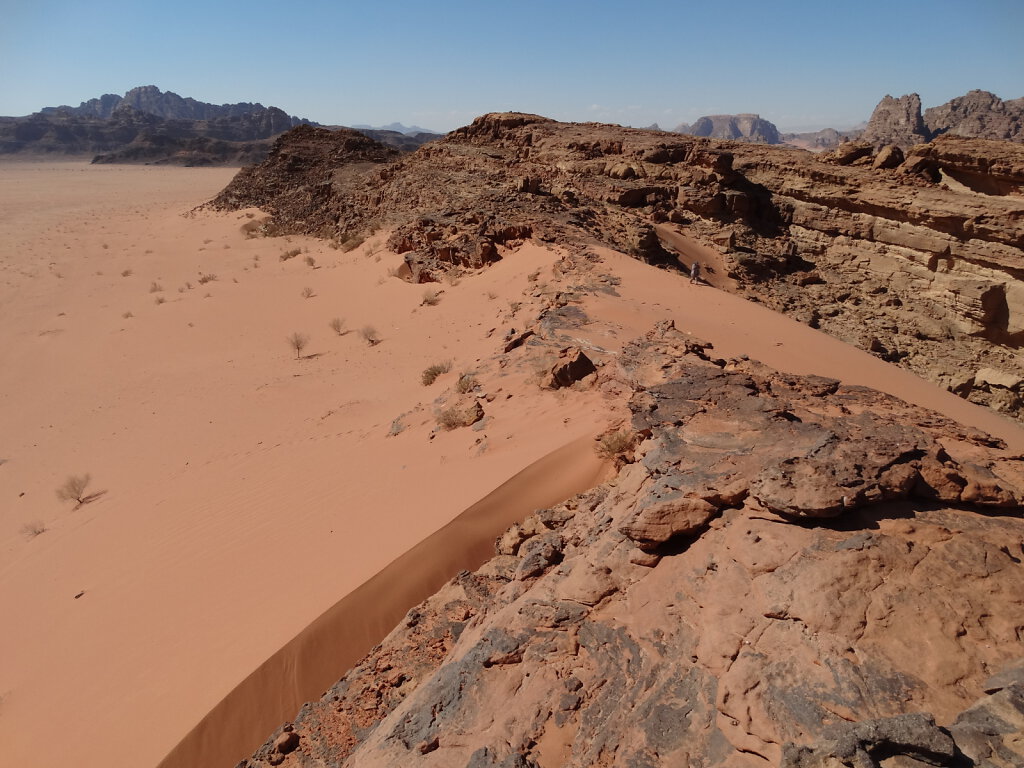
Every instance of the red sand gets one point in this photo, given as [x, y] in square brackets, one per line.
[249, 495]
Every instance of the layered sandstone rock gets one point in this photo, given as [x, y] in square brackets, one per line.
[763, 614]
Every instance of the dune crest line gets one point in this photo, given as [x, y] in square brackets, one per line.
[315, 658]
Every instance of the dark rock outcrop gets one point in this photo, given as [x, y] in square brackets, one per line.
[752, 638]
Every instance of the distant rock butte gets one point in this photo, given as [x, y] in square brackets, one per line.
[744, 127]
[916, 260]
[789, 572]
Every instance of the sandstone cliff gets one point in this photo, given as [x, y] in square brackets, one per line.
[785, 571]
[918, 260]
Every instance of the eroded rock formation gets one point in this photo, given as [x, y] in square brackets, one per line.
[977, 114]
[791, 572]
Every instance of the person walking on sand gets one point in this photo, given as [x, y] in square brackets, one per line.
[695, 272]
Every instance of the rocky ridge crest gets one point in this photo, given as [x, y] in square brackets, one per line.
[918, 259]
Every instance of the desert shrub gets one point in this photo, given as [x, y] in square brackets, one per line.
[307, 293]
[431, 298]
[513, 306]
[337, 325]
[290, 254]
[449, 418]
[397, 427]
[155, 287]
[298, 342]
[127, 315]
[429, 376]
[206, 278]
[126, 273]
[160, 299]
[614, 444]
[73, 488]
[33, 529]
[467, 383]
[370, 335]
[492, 295]
[310, 261]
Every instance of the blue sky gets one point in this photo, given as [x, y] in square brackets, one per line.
[802, 65]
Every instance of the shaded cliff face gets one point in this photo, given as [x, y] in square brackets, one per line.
[785, 571]
[918, 260]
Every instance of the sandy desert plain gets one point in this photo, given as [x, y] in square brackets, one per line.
[242, 492]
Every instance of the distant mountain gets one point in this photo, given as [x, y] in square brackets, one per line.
[743, 127]
[410, 130]
[818, 141]
[150, 100]
[149, 125]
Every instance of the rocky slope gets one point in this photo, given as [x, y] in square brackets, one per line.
[977, 114]
[918, 259]
[785, 571]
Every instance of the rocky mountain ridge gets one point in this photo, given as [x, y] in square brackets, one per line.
[150, 100]
[785, 571]
[917, 259]
[148, 125]
[977, 114]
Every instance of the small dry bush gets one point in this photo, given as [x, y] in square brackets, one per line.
[298, 342]
[155, 287]
[33, 529]
[337, 325]
[126, 315]
[615, 444]
[307, 293]
[467, 383]
[431, 298]
[126, 273]
[290, 254]
[450, 418]
[429, 376]
[160, 299]
[310, 261]
[74, 488]
[370, 335]
[207, 278]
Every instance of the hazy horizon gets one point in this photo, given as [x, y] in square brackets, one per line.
[800, 65]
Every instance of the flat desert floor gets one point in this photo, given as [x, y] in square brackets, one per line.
[240, 494]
